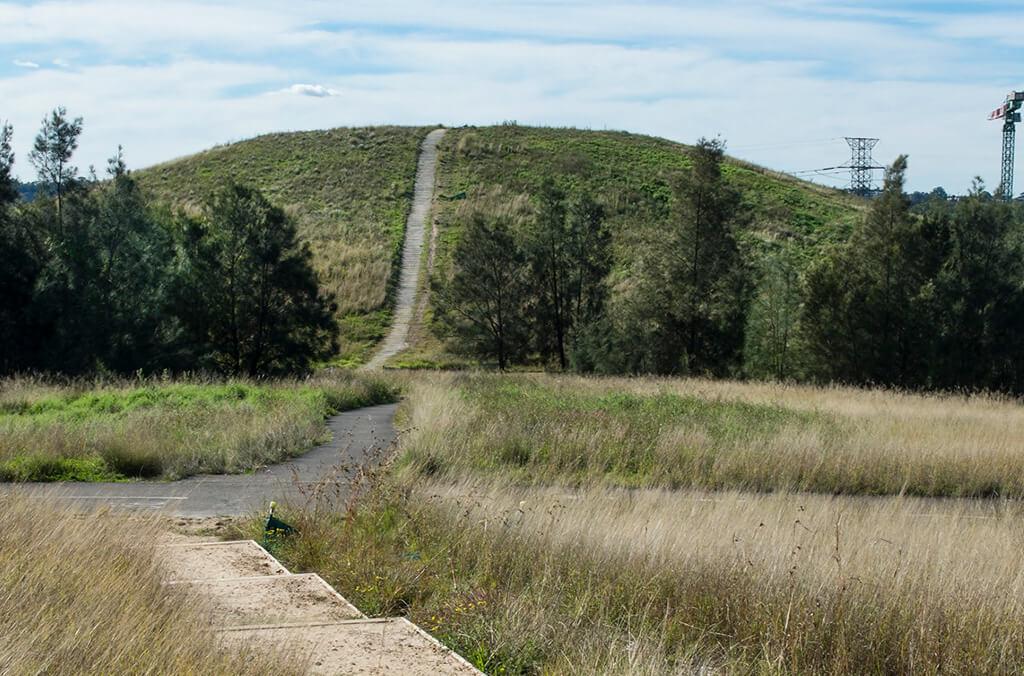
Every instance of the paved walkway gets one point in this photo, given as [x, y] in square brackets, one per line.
[412, 254]
[257, 604]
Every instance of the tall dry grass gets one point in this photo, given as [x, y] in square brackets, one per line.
[549, 580]
[83, 595]
[721, 435]
[780, 583]
[506, 535]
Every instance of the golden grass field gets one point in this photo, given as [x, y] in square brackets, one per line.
[780, 583]
[721, 435]
[559, 524]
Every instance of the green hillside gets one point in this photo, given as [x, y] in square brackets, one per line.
[349, 191]
[502, 167]
[625, 169]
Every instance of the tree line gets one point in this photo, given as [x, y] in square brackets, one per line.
[919, 298]
[95, 278]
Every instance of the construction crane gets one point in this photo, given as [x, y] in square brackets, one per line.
[1008, 112]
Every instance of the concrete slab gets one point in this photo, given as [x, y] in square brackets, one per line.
[277, 599]
[218, 561]
[385, 646]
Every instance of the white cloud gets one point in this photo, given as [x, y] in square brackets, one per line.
[25, 64]
[767, 76]
[315, 90]
[61, 63]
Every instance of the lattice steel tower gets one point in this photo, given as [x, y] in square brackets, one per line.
[1008, 112]
[862, 165]
[1009, 148]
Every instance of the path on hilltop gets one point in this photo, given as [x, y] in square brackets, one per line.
[355, 435]
[412, 253]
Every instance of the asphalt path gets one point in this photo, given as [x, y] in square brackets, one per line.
[357, 438]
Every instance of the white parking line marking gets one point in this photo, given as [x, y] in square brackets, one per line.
[109, 497]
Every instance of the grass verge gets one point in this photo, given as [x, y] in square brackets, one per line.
[89, 431]
[82, 595]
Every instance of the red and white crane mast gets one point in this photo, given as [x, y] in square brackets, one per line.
[1009, 113]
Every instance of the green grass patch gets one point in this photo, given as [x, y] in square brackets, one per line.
[41, 468]
[360, 335]
[169, 430]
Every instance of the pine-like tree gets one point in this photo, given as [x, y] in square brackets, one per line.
[866, 313]
[590, 262]
[51, 155]
[249, 296]
[548, 250]
[483, 304]
[979, 299]
[568, 247]
[772, 334]
[18, 271]
[133, 253]
[692, 286]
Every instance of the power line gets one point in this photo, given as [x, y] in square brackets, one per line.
[861, 166]
[815, 171]
[793, 144]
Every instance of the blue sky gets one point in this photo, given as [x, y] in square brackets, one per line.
[782, 82]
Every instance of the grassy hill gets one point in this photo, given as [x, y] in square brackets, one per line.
[502, 167]
[349, 191]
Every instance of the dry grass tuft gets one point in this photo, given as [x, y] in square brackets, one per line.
[783, 583]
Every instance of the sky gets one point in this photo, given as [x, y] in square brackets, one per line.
[781, 82]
